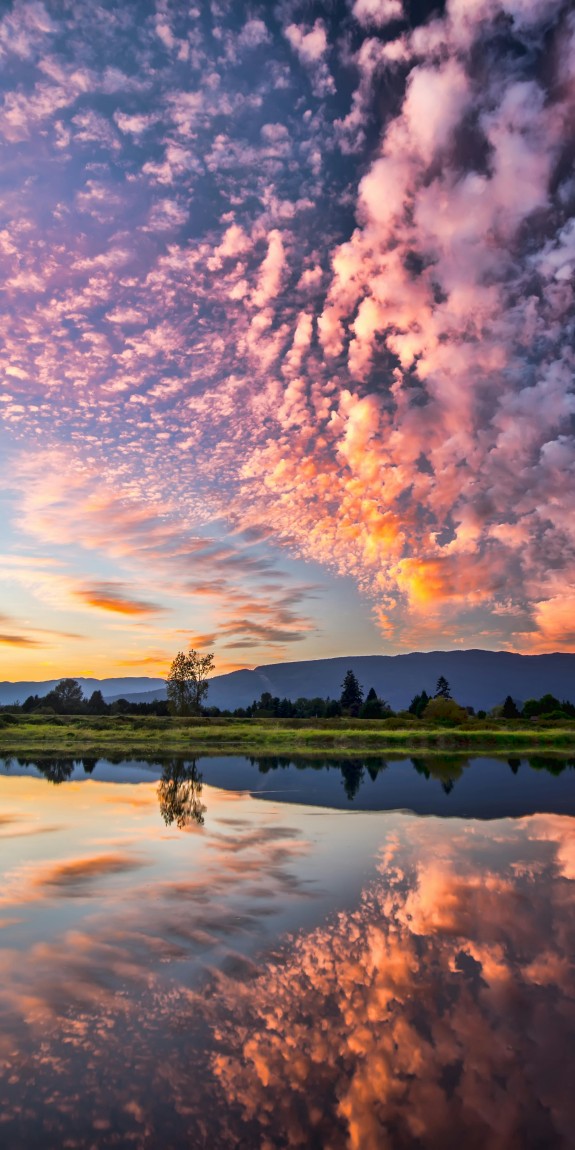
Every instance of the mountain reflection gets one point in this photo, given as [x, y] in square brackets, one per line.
[179, 794]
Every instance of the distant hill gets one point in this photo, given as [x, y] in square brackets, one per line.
[117, 688]
[480, 679]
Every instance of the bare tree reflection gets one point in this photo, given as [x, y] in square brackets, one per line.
[179, 794]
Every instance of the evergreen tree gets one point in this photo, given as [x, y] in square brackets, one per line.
[373, 707]
[442, 689]
[286, 709]
[31, 703]
[265, 707]
[96, 704]
[418, 704]
[351, 696]
[509, 710]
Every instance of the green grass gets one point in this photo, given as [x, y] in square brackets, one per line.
[132, 735]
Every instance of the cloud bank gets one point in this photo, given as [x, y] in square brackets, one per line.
[308, 277]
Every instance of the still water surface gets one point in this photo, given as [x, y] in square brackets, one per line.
[212, 954]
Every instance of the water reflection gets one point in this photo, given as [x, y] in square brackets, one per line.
[180, 794]
[352, 773]
[287, 978]
[450, 783]
[447, 768]
[437, 1013]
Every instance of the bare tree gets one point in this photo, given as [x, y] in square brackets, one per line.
[188, 682]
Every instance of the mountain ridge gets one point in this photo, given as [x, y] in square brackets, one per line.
[11, 691]
[478, 678]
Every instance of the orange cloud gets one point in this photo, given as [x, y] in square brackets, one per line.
[69, 875]
[19, 641]
[109, 597]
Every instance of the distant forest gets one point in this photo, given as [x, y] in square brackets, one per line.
[67, 698]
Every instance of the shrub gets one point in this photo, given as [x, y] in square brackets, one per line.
[440, 710]
[555, 716]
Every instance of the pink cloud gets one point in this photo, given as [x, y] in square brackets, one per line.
[388, 394]
[311, 46]
[271, 270]
[377, 13]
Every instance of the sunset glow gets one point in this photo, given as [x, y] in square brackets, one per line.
[287, 330]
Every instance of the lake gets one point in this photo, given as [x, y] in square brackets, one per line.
[337, 954]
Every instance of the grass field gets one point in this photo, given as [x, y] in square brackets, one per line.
[145, 735]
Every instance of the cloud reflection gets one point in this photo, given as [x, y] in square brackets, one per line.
[438, 1013]
[434, 1009]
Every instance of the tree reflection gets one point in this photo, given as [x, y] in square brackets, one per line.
[352, 771]
[550, 763]
[266, 763]
[374, 766]
[447, 768]
[59, 770]
[179, 794]
[56, 770]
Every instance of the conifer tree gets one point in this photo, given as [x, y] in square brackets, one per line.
[510, 709]
[351, 696]
[442, 689]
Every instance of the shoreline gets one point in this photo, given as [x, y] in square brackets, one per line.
[74, 736]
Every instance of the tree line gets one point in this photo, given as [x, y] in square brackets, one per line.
[187, 688]
[67, 698]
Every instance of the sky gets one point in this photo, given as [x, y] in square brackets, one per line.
[287, 330]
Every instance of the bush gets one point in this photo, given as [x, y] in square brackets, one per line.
[440, 710]
[399, 723]
[555, 716]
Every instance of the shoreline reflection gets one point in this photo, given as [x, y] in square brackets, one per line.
[444, 784]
